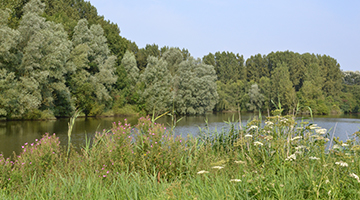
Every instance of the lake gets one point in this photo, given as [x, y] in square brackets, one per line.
[13, 134]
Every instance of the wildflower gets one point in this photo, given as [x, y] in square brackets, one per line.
[269, 123]
[321, 131]
[258, 143]
[300, 147]
[336, 146]
[313, 126]
[355, 176]
[313, 158]
[217, 167]
[202, 172]
[344, 145]
[296, 138]
[327, 181]
[253, 127]
[235, 180]
[248, 135]
[239, 162]
[299, 128]
[291, 157]
[342, 164]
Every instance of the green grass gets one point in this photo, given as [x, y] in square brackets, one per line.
[145, 161]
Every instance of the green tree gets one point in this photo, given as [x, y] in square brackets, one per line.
[229, 67]
[196, 92]
[265, 89]
[282, 87]
[157, 95]
[129, 63]
[93, 69]
[44, 49]
[257, 67]
[256, 98]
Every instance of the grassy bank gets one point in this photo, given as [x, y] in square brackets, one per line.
[279, 160]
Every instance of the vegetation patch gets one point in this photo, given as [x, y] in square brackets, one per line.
[278, 158]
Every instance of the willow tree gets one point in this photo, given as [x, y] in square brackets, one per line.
[91, 69]
[157, 95]
[35, 55]
[196, 92]
[132, 71]
[256, 98]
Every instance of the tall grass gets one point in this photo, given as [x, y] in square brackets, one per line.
[277, 159]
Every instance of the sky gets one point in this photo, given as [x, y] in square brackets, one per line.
[329, 27]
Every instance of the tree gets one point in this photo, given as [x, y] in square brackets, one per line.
[129, 63]
[196, 92]
[256, 98]
[92, 75]
[265, 89]
[257, 67]
[229, 67]
[44, 49]
[283, 90]
[157, 94]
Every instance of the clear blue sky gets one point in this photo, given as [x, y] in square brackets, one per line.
[250, 27]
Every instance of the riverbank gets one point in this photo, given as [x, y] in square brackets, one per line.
[280, 161]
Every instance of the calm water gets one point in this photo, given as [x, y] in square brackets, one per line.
[15, 133]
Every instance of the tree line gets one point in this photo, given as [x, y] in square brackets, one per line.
[56, 56]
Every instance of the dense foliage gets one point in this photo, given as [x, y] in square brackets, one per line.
[56, 56]
[292, 79]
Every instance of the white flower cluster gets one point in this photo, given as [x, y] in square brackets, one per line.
[217, 167]
[296, 138]
[355, 176]
[239, 162]
[291, 157]
[313, 158]
[257, 143]
[253, 127]
[202, 172]
[248, 136]
[321, 131]
[342, 164]
[269, 123]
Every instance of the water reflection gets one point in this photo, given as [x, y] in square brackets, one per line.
[15, 133]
